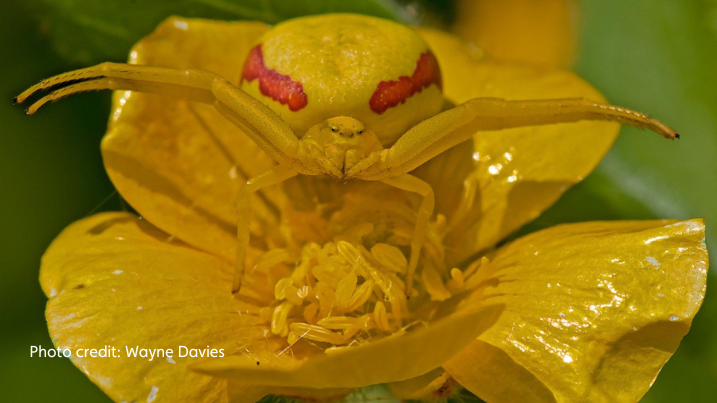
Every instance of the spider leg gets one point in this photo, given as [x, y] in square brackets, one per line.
[82, 86]
[274, 176]
[261, 124]
[425, 211]
[447, 129]
[134, 75]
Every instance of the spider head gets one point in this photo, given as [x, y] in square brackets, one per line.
[341, 142]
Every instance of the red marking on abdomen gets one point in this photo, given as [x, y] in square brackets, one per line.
[279, 87]
[391, 93]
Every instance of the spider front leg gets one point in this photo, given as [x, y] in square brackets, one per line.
[192, 84]
[425, 211]
[447, 129]
[275, 176]
[255, 119]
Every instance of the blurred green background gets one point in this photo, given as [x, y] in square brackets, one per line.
[656, 56]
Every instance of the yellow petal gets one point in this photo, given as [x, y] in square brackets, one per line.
[539, 32]
[510, 176]
[180, 164]
[394, 358]
[593, 311]
[115, 280]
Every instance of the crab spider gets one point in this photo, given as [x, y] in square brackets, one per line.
[338, 147]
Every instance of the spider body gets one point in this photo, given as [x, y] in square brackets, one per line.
[343, 96]
[311, 69]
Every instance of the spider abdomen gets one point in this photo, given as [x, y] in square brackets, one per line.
[311, 69]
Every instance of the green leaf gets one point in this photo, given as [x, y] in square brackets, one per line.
[89, 31]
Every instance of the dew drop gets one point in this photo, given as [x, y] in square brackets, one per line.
[495, 169]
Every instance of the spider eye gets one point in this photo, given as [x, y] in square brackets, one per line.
[360, 132]
[335, 130]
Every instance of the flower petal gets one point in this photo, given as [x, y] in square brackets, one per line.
[180, 164]
[509, 177]
[422, 387]
[527, 31]
[593, 311]
[115, 280]
[394, 358]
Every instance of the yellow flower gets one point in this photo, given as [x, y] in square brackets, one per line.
[582, 312]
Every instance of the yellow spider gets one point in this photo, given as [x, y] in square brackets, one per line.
[320, 96]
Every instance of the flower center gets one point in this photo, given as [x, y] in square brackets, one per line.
[349, 283]
[342, 293]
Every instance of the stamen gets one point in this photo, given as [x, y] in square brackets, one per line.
[285, 289]
[434, 284]
[390, 257]
[317, 333]
[348, 251]
[363, 322]
[457, 282]
[474, 267]
[279, 319]
[299, 273]
[360, 296]
[345, 290]
[380, 316]
[327, 299]
[474, 281]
